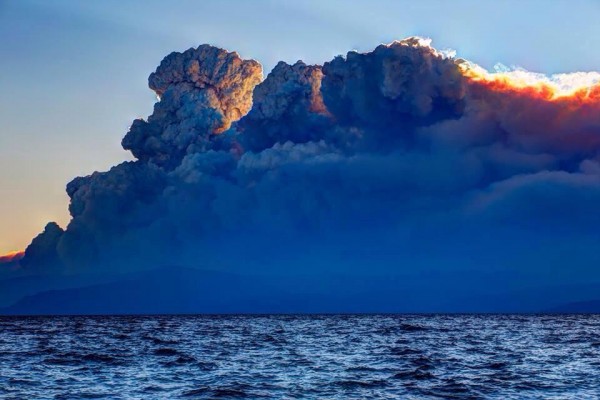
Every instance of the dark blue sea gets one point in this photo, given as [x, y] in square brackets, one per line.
[301, 357]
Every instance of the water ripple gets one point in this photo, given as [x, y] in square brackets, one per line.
[334, 357]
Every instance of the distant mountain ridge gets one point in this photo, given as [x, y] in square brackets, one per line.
[578, 307]
[177, 290]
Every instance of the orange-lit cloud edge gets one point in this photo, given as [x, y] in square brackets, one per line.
[11, 256]
[575, 89]
[579, 87]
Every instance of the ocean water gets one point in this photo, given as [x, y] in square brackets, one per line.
[293, 357]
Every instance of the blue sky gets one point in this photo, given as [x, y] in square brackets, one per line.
[74, 74]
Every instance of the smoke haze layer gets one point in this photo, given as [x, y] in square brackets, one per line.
[403, 161]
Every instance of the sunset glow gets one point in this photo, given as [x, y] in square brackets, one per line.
[11, 256]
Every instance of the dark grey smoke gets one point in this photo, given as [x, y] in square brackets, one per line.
[202, 92]
[391, 158]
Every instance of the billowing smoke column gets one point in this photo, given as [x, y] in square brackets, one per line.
[202, 92]
[403, 142]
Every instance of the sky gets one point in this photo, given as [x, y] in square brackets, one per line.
[74, 74]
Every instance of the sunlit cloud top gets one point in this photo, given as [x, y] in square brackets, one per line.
[584, 86]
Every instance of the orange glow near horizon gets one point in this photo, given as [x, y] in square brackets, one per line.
[579, 87]
[11, 256]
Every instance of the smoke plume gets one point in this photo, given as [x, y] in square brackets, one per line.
[401, 157]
